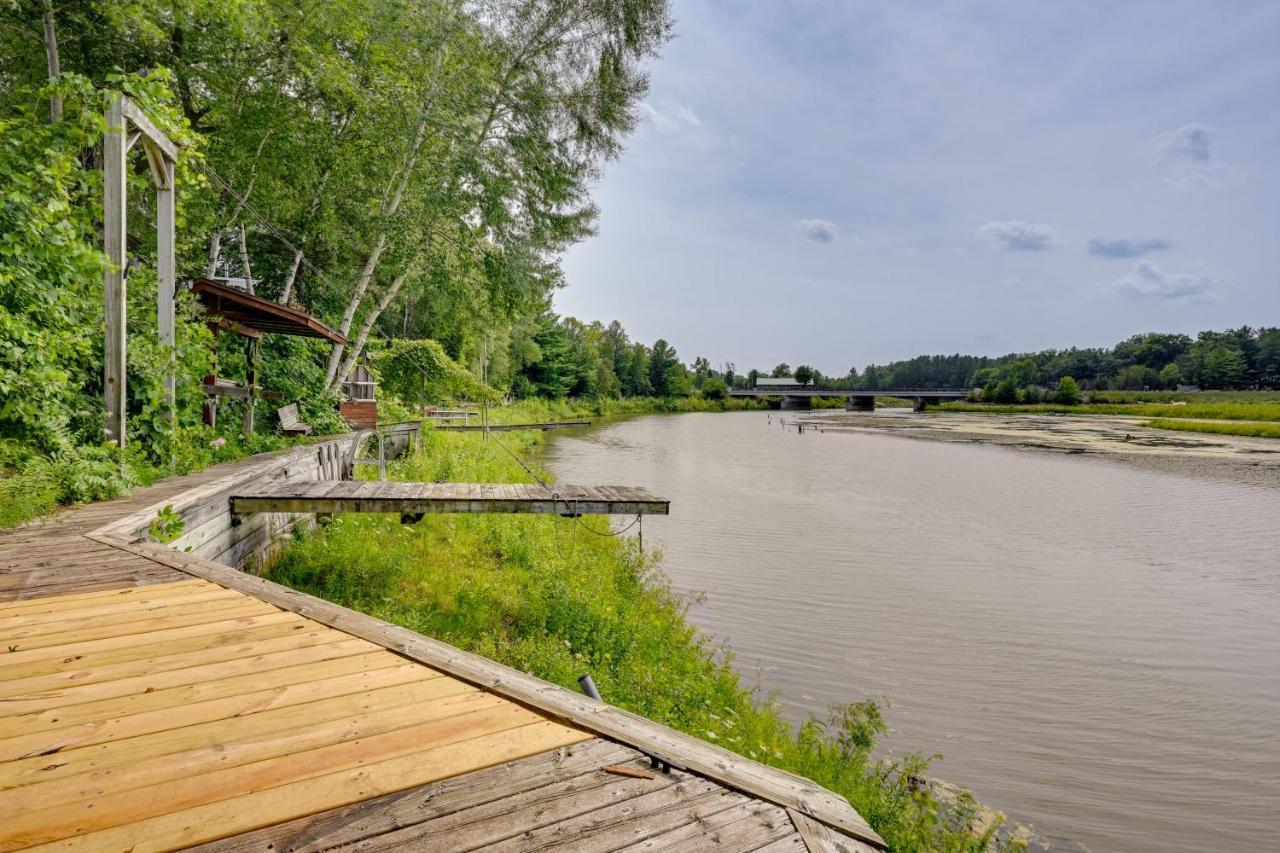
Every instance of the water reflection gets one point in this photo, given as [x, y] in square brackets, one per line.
[1094, 648]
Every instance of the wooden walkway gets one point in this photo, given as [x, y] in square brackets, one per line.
[328, 496]
[151, 700]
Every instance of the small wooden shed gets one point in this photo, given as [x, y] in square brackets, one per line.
[360, 408]
[234, 309]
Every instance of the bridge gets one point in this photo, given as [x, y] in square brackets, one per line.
[796, 396]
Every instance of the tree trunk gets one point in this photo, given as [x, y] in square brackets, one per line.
[299, 250]
[291, 277]
[215, 239]
[358, 346]
[215, 253]
[244, 260]
[379, 246]
[51, 58]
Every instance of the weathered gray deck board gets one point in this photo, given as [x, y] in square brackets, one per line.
[327, 496]
[515, 427]
[555, 798]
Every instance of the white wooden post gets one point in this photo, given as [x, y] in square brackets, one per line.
[162, 157]
[113, 226]
[166, 283]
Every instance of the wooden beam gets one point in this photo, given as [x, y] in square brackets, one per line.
[166, 286]
[113, 238]
[238, 391]
[149, 131]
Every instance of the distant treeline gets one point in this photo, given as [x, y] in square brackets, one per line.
[565, 357]
[1243, 358]
[555, 358]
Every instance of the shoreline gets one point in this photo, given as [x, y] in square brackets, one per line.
[1117, 438]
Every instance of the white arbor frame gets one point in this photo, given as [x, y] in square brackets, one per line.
[126, 125]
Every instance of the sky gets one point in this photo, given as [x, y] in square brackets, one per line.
[835, 183]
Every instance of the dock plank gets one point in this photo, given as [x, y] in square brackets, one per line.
[415, 498]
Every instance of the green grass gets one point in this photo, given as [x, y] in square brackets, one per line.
[1190, 397]
[537, 410]
[557, 597]
[1227, 411]
[34, 484]
[1259, 430]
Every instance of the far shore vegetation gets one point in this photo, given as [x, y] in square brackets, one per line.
[1249, 407]
[1245, 428]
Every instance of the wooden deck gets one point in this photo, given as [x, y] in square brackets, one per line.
[178, 713]
[328, 496]
[152, 700]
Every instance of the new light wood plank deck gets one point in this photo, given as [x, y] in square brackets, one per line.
[164, 749]
[327, 496]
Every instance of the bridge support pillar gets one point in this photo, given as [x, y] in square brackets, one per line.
[860, 403]
[793, 403]
[920, 403]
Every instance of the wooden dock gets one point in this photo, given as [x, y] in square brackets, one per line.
[327, 496]
[152, 700]
[515, 427]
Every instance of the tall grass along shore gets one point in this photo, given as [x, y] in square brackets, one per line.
[1260, 410]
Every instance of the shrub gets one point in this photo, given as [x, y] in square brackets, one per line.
[715, 389]
[1003, 392]
[1068, 393]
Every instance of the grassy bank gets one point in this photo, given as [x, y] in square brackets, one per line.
[1261, 410]
[539, 410]
[34, 484]
[1258, 430]
[558, 597]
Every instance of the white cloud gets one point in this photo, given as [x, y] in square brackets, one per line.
[1015, 236]
[1123, 248]
[817, 230]
[1148, 281]
[670, 121]
[1186, 158]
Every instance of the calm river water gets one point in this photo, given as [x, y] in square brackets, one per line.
[1093, 648]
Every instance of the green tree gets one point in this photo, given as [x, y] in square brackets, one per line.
[1004, 392]
[1135, 377]
[804, 374]
[715, 389]
[638, 371]
[664, 369]
[1269, 357]
[1219, 366]
[1068, 392]
[782, 371]
[701, 371]
[1170, 376]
